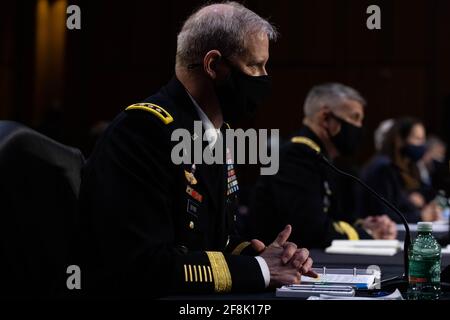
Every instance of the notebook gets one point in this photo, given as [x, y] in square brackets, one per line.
[357, 278]
[365, 247]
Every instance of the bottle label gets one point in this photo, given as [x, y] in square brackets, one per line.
[424, 271]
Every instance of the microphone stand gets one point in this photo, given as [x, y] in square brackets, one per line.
[396, 281]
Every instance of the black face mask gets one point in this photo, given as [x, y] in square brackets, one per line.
[348, 138]
[414, 152]
[240, 95]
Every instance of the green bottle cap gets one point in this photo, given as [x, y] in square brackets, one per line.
[425, 226]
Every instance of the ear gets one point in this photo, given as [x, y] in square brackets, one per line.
[211, 63]
[324, 117]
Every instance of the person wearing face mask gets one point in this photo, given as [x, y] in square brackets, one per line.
[303, 193]
[431, 163]
[150, 227]
[394, 173]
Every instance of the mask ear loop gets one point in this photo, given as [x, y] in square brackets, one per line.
[194, 65]
[330, 115]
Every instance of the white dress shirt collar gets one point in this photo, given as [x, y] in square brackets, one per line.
[211, 133]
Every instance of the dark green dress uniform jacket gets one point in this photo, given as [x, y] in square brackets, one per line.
[150, 227]
[302, 194]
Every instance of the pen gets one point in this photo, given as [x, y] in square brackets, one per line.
[321, 288]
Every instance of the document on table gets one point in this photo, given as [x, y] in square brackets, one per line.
[358, 281]
[438, 227]
[365, 247]
[396, 295]
[446, 250]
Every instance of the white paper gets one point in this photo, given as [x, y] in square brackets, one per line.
[437, 227]
[366, 243]
[341, 279]
[446, 250]
[362, 251]
[396, 295]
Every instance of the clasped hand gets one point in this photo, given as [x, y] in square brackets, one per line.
[286, 262]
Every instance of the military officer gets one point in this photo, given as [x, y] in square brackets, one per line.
[303, 192]
[151, 227]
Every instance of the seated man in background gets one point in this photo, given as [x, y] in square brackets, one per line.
[152, 227]
[303, 191]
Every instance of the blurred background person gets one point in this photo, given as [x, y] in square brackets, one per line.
[434, 157]
[380, 133]
[305, 192]
[393, 172]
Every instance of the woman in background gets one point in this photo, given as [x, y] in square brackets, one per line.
[394, 174]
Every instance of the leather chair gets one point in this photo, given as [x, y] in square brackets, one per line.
[39, 185]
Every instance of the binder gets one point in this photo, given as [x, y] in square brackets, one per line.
[364, 279]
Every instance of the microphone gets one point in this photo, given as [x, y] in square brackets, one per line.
[315, 148]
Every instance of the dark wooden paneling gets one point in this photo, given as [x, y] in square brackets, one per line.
[125, 51]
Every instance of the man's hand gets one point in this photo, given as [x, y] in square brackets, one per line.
[417, 199]
[380, 227]
[286, 262]
[431, 212]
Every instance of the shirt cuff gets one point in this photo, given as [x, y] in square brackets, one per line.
[264, 270]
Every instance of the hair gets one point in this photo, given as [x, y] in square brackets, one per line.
[399, 132]
[330, 95]
[433, 141]
[380, 133]
[222, 30]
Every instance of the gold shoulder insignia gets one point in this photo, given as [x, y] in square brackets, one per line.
[227, 125]
[307, 141]
[343, 227]
[158, 111]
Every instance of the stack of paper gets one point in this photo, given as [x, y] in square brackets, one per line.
[396, 295]
[365, 247]
[446, 250]
[359, 281]
[438, 227]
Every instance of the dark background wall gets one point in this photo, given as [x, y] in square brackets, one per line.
[125, 51]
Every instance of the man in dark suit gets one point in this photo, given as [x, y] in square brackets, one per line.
[303, 193]
[152, 227]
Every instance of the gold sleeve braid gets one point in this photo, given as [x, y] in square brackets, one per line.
[240, 247]
[220, 271]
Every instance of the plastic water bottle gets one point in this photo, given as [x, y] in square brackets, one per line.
[424, 265]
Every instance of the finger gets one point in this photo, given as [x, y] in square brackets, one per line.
[311, 273]
[307, 266]
[286, 277]
[289, 251]
[298, 278]
[283, 236]
[300, 257]
[393, 228]
[294, 278]
[258, 245]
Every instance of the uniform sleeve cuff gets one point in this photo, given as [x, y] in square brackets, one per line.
[264, 270]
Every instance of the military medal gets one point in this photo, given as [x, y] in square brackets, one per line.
[190, 176]
[232, 183]
[194, 194]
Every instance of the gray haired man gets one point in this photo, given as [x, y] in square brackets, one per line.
[304, 192]
[152, 227]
